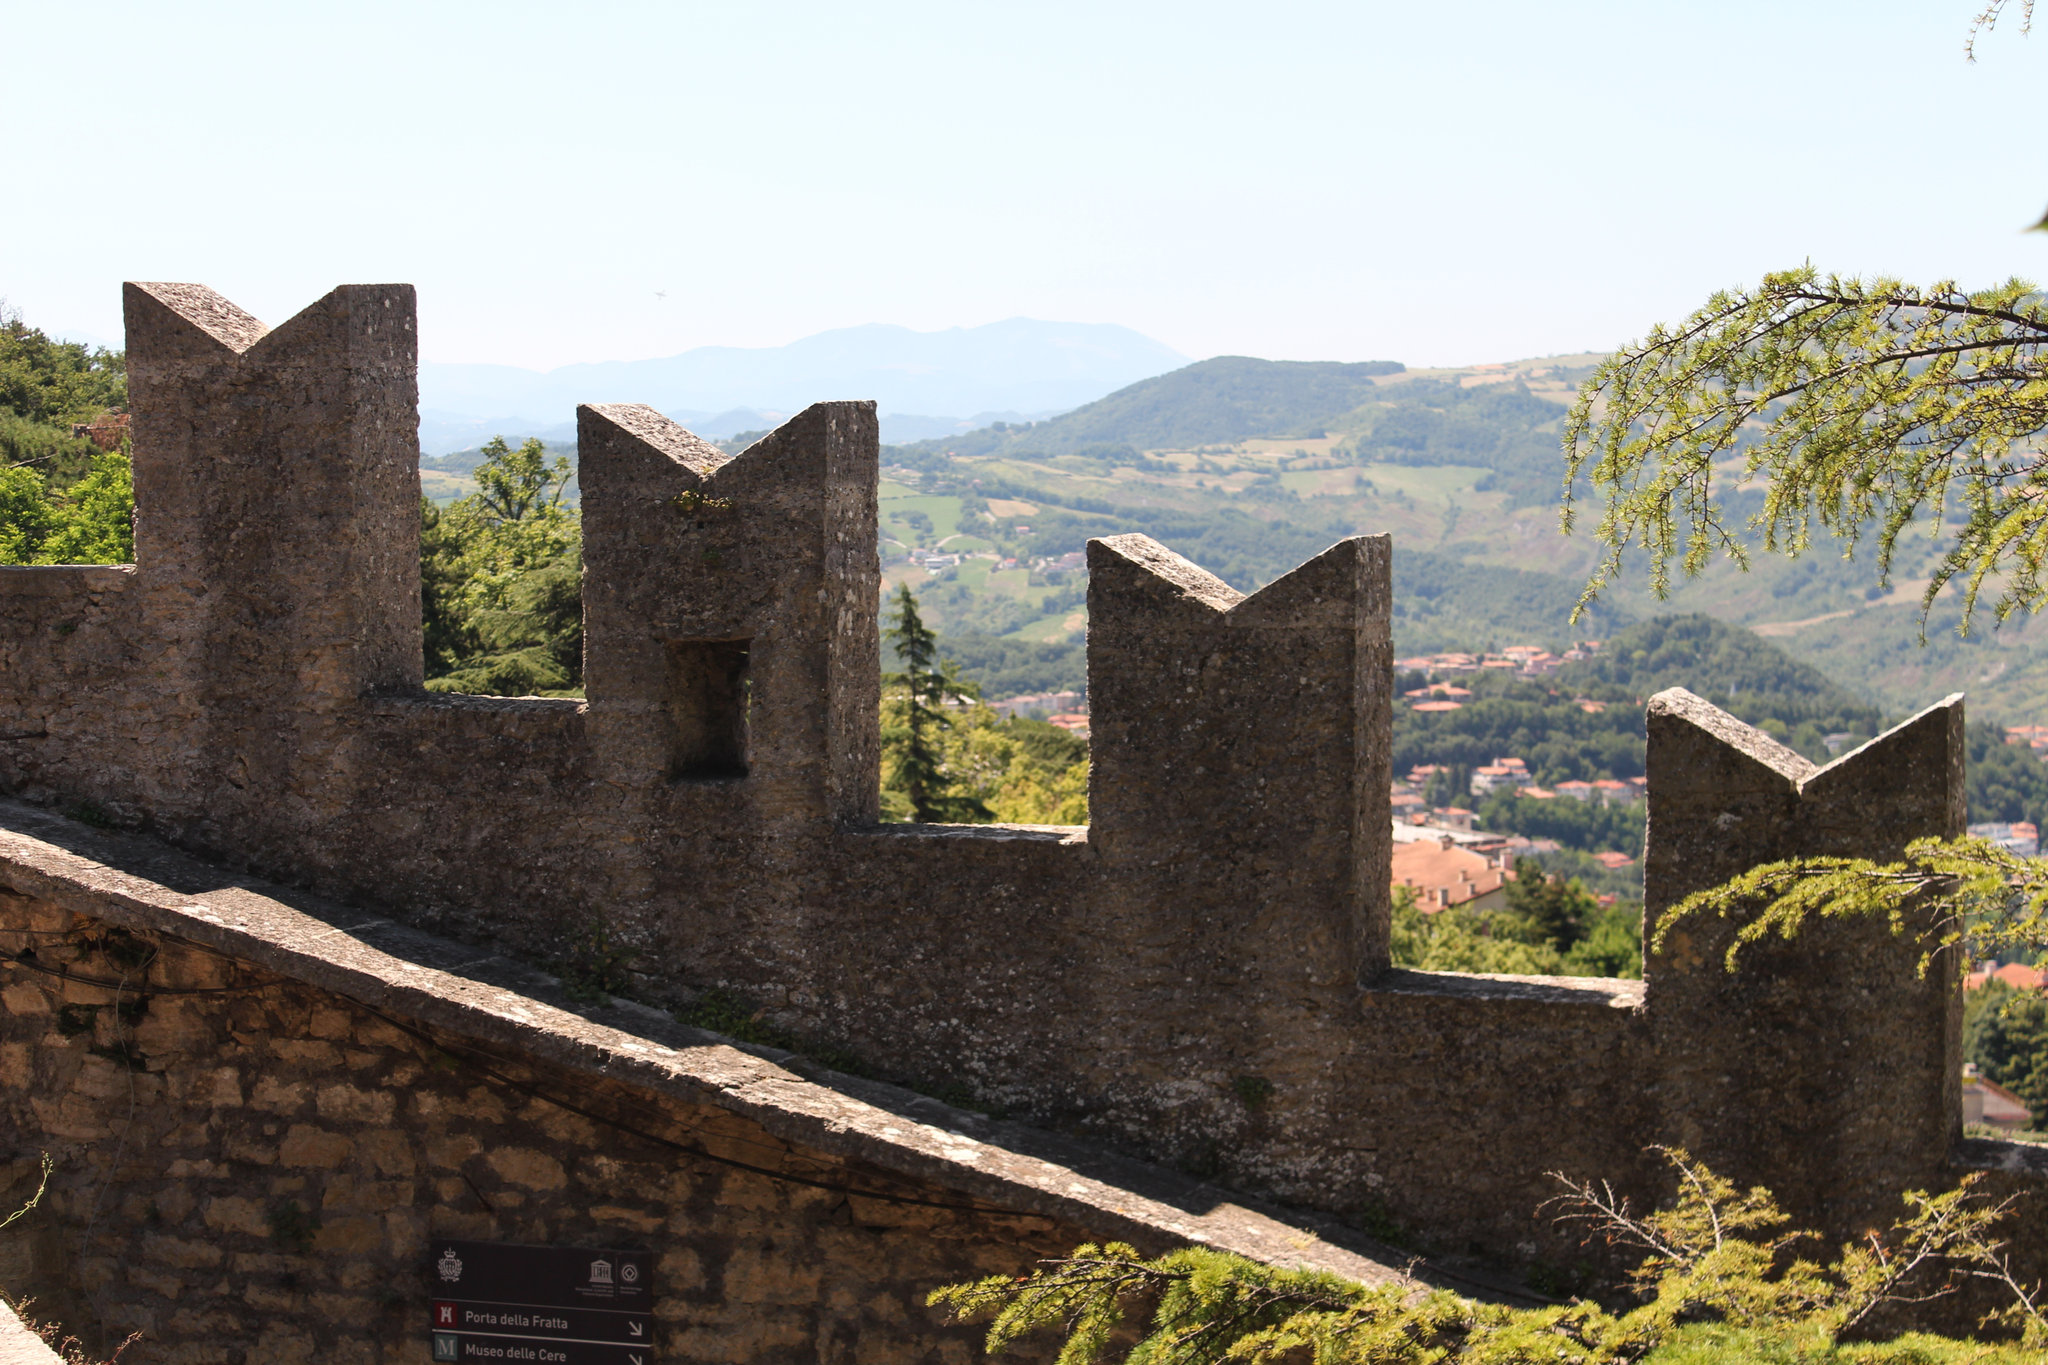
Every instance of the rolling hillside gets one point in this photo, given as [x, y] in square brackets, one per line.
[1461, 466]
[1227, 399]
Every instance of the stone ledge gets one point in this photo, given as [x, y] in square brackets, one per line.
[1039, 834]
[18, 1345]
[63, 580]
[138, 883]
[1592, 991]
[402, 702]
[1991, 1154]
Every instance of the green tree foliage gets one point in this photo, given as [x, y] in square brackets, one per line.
[2006, 781]
[1719, 1277]
[1462, 940]
[1224, 399]
[93, 522]
[1531, 721]
[2005, 1032]
[96, 516]
[62, 500]
[27, 518]
[1010, 667]
[1967, 894]
[913, 718]
[1441, 602]
[1588, 826]
[1019, 771]
[1733, 668]
[1562, 911]
[1612, 944]
[1968, 898]
[1552, 926]
[52, 451]
[1861, 407]
[943, 760]
[55, 383]
[501, 580]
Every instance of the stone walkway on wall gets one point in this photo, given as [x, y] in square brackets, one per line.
[470, 993]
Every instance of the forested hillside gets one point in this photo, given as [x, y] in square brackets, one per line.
[63, 499]
[1585, 723]
[1502, 428]
[1734, 669]
[1211, 402]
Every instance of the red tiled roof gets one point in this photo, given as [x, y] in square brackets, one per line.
[1431, 866]
[2017, 975]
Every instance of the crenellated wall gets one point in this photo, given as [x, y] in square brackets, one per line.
[250, 690]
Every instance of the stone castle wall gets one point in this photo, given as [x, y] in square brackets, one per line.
[261, 1115]
[250, 690]
[251, 1167]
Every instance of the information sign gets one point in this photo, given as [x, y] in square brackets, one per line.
[497, 1304]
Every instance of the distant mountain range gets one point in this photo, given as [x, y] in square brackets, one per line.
[927, 384]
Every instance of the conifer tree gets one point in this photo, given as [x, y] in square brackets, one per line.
[914, 715]
[501, 579]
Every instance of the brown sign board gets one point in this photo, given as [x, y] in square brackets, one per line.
[502, 1304]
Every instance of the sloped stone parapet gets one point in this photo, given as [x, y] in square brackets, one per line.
[360, 985]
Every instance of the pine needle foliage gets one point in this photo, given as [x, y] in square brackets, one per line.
[1987, 20]
[1718, 1268]
[914, 768]
[1965, 893]
[1864, 407]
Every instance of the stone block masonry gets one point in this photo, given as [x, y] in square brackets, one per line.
[263, 1119]
[1200, 978]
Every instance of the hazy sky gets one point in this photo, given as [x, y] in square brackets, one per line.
[1431, 183]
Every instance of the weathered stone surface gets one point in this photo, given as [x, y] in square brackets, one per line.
[1827, 1068]
[842, 1201]
[19, 1346]
[249, 691]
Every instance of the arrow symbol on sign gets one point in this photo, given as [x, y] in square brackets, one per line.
[637, 1360]
[634, 1328]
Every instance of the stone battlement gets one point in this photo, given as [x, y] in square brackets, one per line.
[1201, 976]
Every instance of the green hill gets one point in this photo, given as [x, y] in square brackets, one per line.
[1211, 402]
[1499, 427]
[1732, 668]
[1249, 467]
[1443, 602]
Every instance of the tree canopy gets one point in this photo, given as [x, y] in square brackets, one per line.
[62, 499]
[501, 580]
[56, 382]
[1723, 1275]
[1864, 408]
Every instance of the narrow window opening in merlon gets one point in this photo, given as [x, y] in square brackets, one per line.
[709, 697]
